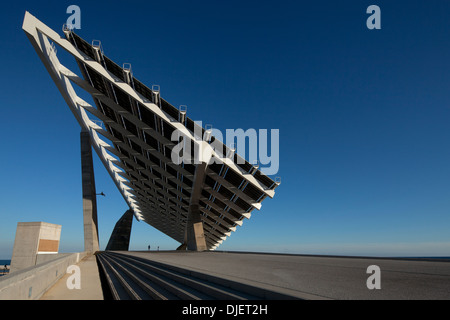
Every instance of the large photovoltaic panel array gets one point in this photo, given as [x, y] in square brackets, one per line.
[141, 146]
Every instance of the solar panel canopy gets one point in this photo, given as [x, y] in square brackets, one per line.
[131, 128]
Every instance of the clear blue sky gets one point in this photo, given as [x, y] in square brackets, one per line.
[363, 117]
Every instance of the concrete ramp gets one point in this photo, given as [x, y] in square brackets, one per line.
[314, 277]
[132, 277]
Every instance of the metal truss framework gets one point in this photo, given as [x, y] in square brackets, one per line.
[133, 141]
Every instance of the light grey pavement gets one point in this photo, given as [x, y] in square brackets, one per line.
[90, 284]
[316, 277]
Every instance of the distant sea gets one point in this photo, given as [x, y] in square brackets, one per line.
[3, 262]
[431, 258]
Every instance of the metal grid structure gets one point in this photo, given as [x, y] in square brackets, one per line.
[133, 141]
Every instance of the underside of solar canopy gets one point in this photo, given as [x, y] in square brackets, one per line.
[133, 141]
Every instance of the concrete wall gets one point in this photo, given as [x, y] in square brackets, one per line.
[120, 237]
[42, 258]
[32, 282]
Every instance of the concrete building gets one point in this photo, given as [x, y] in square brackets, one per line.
[34, 239]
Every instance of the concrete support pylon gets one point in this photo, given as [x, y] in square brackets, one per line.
[195, 236]
[91, 243]
[120, 237]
